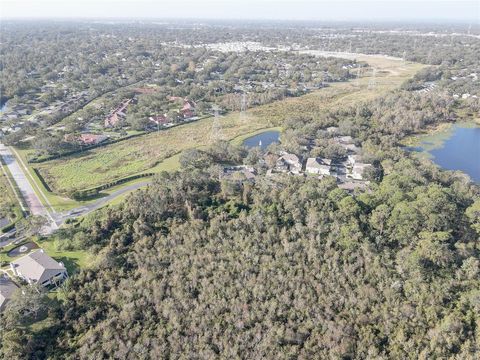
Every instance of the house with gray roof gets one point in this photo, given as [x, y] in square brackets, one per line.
[39, 268]
[7, 288]
[239, 173]
[358, 170]
[288, 163]
[319, 166]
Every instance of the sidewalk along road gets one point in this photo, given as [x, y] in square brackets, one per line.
[34, 204]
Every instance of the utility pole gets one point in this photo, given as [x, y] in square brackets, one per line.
[357, 80]
[216, 131]
[429, 58]
[373, 81]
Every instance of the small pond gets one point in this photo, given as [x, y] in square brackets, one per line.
[263, 139]
[22, 249]
[457, 149]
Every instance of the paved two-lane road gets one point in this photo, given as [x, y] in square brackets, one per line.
[83, 210]
[27, 192]
[34, 204]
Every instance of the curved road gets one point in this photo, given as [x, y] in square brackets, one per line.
[83, 210]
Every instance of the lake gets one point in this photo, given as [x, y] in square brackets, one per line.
[458, 150]
[263, 139]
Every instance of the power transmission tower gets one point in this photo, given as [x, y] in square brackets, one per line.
[429, 58]
[404, 57]
[357, 79]
[216, 131]
[243, 105]
[373, 81]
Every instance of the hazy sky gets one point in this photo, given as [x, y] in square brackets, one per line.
[388, 10]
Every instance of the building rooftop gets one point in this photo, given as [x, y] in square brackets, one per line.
[7, 288]
[38, 266]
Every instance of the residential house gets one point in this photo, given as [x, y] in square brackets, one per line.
[188, 109]
[344, 139]
[188, 106]
[7, 288]
[159, 119]
[39, 268]
[175, 98]
[319, 166]
[352, 159]
[92, 139]
[239, 173]
[118, 114]
[351, 148]
[358, 170]
[351, 186]
[288, 163]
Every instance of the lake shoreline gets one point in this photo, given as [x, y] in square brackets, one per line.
[450, 146]
[438, 133]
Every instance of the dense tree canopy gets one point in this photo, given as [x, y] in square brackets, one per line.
[199, 266]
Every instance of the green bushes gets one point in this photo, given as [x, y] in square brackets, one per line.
[42, 180]
[92, 192]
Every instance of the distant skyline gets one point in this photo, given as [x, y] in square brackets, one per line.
[467, 11]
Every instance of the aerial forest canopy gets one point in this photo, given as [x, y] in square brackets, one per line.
[200, 266]
[295, 269]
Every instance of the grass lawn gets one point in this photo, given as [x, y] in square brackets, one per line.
[159, 151]
[4, 258]
[73, 260]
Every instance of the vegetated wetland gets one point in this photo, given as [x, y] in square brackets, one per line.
[153, 151]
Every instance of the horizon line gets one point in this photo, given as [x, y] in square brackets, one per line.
[366, 20]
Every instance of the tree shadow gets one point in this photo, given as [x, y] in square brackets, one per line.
[70, 264]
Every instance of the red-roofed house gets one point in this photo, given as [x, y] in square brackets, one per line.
[92, 139]
[159, 119]
[118, 114]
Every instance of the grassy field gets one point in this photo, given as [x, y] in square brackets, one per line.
[159, 151]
